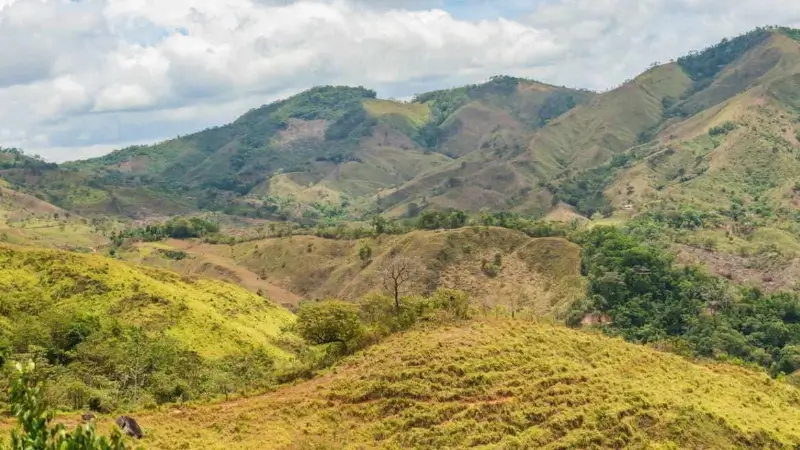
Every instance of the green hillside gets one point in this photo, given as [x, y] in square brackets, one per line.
[501, 384]
[323, 154]
[109, 334]
[692, 163]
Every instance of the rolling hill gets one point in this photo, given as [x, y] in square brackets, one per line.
[535, 276]
[699, 157]
[327, 152]
[129, 335]
[500, 384]
[27, 220]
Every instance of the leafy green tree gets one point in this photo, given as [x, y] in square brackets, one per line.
[789, 359]
[330, 321]
[379, 224]
[365, 252]
[649, 298]
[452, 300]
[457, 219]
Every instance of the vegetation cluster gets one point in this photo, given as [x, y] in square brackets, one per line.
[648, 298]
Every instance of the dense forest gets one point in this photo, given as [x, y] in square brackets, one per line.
[648, 298]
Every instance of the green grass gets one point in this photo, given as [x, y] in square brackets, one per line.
[501, 384]
[417, 113]
[107, 335]
[209, 317]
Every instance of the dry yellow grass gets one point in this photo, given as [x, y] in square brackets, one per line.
[499, 384]
[416, 113]
[540, 276]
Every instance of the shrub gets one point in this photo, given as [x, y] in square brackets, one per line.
[723, 129]
[330, 321]
[365, 252]
[35, 431]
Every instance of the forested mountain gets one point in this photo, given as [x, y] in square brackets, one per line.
[325, 152]
[717, 121]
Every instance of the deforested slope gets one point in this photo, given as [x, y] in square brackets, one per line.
[540, 276]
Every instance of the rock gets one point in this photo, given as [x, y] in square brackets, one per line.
[87, 417]
[129, 426]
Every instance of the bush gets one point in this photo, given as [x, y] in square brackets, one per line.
[330, 321]
[491, 270]
[723, 129]
[365, 252]
[34, 430]
[455, 301]
[176, 255]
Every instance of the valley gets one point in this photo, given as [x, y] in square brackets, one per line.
[510, 264]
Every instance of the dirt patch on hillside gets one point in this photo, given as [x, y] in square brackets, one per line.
[385, 136]
[563, 213]
[297, 129]
[211, 264]
[133, 165]
[20, 202]
[770, 272]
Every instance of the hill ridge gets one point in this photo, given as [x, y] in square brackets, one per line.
[504, 384]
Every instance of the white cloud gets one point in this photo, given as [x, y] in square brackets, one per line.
[80, 78]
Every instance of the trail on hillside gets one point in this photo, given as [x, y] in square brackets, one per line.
[246, 278]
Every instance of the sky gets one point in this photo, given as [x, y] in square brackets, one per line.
[80, 78]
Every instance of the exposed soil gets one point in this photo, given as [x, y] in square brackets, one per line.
[772, 274]
[230, 271]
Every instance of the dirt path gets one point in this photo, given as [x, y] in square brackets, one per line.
[246, 278]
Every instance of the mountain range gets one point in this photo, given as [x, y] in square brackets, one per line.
[713, 125]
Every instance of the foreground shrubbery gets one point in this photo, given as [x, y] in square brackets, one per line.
[35, 430]
[650, 299]
[102, 364]
[107, 335]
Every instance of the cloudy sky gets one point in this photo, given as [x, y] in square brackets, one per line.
[79, 78]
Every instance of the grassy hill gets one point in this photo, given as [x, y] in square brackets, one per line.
[500, 384]
[129, 335]
[27, 220]
[539, 277]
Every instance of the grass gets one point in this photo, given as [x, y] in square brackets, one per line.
[27, 220]
[500, 384]
[538, 276]
[208, 317]
[418, 114]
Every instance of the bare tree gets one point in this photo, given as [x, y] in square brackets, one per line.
[399, 274]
